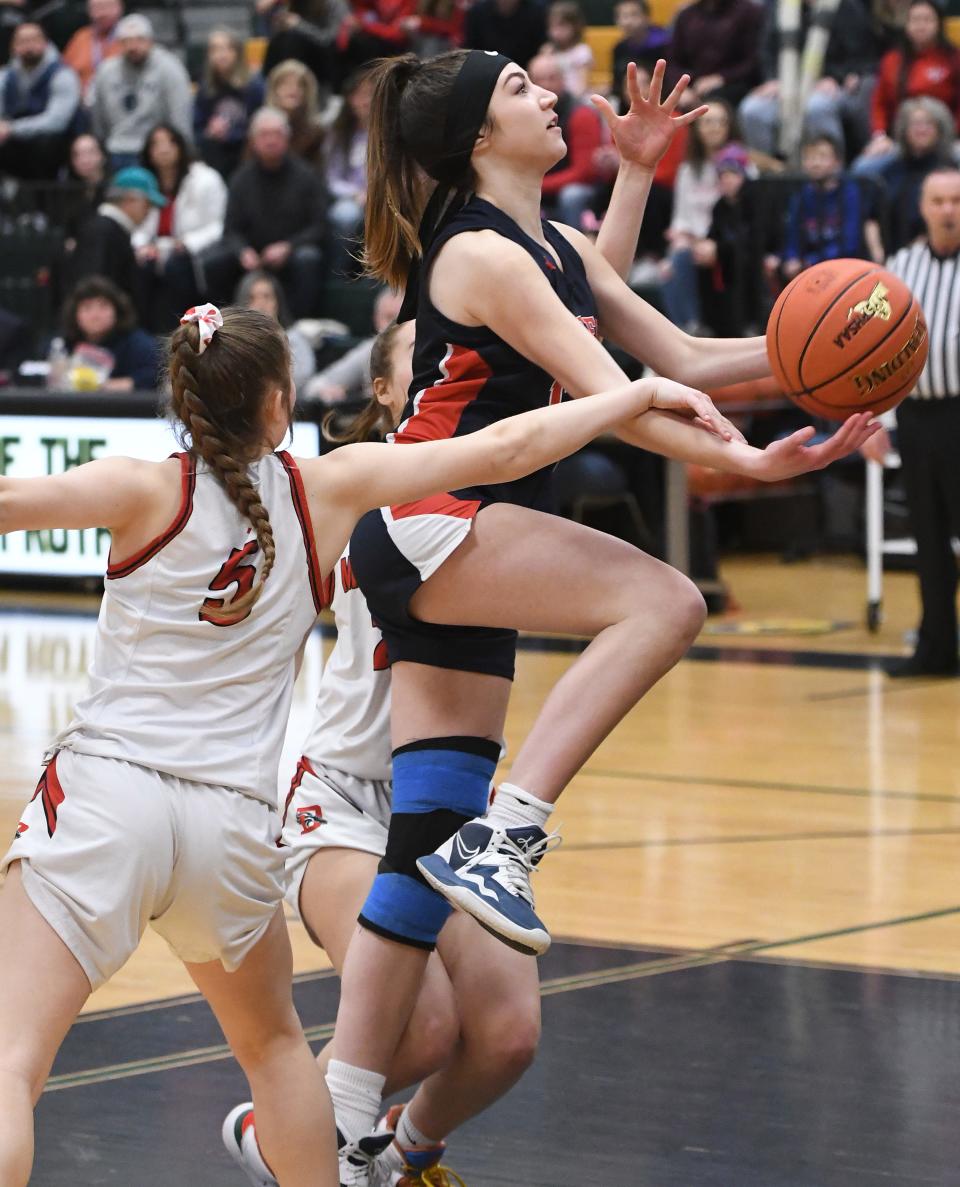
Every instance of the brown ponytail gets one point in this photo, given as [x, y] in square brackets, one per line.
[374, 419]
[409, 97]
[217, 397]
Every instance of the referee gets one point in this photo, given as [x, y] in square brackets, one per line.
[928, 425]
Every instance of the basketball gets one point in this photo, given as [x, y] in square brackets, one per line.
[846, 336]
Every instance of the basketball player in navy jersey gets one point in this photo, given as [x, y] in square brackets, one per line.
[476, 1025]
[508, 309]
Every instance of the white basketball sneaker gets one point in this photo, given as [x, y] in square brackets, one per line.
[240, 1138]
[359, 1161]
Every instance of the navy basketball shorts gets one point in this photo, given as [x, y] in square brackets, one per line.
[393, 551]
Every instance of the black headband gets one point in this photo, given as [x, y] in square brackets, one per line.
[448, 160]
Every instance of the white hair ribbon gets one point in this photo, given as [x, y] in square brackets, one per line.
[209, 319]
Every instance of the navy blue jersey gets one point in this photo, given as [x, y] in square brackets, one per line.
[466, 377]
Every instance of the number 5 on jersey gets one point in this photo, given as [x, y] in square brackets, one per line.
[236, 570]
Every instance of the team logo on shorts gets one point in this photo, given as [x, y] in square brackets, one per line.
[310, 818]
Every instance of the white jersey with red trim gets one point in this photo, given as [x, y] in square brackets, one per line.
[351, 722]
[171, 687]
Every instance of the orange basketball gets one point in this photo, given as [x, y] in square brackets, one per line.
[846, 336]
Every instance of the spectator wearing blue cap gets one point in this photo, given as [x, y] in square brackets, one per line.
[103, 241]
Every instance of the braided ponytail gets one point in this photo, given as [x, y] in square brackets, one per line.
[217, 397]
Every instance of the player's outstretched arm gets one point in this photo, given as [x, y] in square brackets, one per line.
[108, 493]
[357, 478]
[675, 438]
[793, 455]
[645, 333]
[529, 315]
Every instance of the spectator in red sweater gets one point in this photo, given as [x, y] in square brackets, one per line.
[373, 29]
[436, 26]
[716, 42]
[573, 185]
[926, 64]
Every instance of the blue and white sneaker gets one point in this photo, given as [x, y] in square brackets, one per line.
[486, 872]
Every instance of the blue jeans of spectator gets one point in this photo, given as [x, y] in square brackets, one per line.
[345, 219]
[302, 278]
[165, 292]
[826, 115]
[571, 203]
[123, 160]
[681, 291]
[874, 166]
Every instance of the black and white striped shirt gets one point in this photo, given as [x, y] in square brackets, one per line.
[935, 282]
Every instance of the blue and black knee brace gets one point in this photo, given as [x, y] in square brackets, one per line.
[438, 785]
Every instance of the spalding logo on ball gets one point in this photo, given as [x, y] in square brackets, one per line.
[846, 336]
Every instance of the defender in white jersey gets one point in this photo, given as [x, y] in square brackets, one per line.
[179, 701]
[477, 1024]
[158, 803]
[339, 796]
[157, 661]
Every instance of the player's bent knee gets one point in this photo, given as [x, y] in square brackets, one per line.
[690, 607]
[22, 1075]
[438, 785]
[256, 1046]
[437, 1033]
[511, 1038]
[401, 908]
[400, 905]
[508, 1027]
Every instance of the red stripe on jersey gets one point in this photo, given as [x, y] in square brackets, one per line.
[188, 484]
[322, 589]
[438, 505]
[437, 410]
[303, 768]
[51, 795]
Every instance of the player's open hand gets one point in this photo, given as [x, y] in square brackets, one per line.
[643, 133]
[793, 455]
[693, 405]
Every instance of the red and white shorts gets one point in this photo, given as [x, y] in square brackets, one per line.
[107, 847]
[329, 809]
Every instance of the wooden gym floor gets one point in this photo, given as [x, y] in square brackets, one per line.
[757, 906]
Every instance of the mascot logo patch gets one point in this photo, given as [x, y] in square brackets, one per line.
[310, 818]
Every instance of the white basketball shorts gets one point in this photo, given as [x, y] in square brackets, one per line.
[329, 809]
[106, 847]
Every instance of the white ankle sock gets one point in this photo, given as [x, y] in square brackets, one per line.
[409, 1135]
[356, 1095]
[513, 807]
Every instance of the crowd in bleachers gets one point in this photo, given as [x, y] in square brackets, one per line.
[155, 158]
